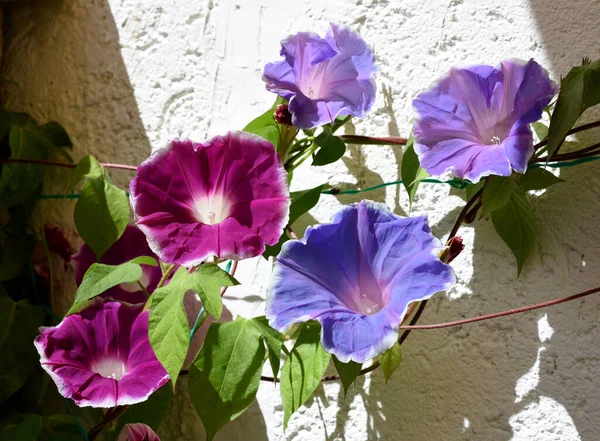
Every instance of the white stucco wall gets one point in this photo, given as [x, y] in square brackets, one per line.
[126, 76]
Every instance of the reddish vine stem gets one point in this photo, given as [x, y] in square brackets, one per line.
[373, 140]
[592, 150]
[504, 313]
[570, 132]
[64, 164]
[232, 273]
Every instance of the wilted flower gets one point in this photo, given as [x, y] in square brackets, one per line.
[130, 245]
[357, 277]
[101, 356]
[324, 78]
[226, 198]
[137, 432]
[475, 121]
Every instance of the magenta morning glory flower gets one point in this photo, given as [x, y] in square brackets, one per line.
[324, 78]
[227, 198]
[137, 432]
[130, 245]
[357, 276]
[101, 356]
[475, 121]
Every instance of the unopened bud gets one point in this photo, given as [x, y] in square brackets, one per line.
[455, 246]
[283, 115]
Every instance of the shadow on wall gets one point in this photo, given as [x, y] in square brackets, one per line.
[66, 60]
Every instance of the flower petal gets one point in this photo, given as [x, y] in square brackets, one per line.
[474, 122]
[227, 198]
[324, 78]
[101, 357]
[357, 277]
[137, 432]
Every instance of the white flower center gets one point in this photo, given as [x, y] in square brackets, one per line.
[110, 367]
[213, 210]
[496, 140]
[368, 305]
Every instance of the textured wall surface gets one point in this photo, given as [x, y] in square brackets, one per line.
[126, 76]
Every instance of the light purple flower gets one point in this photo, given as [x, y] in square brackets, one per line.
[137, 432]
[101, 356]
[227, 198]
[130, 245]
[475, 121]
[357, 277]
[324, 78]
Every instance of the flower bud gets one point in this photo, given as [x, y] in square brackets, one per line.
[282, 115]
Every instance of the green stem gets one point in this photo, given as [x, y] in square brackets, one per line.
[166, 275]
[143, 288]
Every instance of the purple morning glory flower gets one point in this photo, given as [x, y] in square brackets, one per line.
[101, 356]
[227, 198]
[324, 78]
[137, 432]
[475, 121]
[130, 245]
[357, 277]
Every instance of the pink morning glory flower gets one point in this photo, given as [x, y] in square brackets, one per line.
[475, 122]
[357, 276]
[137, 432]
[227, 197]
[324, 78]
[101, 356]
[130, 245]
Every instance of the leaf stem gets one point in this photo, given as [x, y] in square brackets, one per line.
[143, 288]
[168, 271]
[112, 415]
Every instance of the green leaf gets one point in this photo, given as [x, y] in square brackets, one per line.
[22, 428]
[348, 372]
[100, 278]
[16, 252]
[273, 340]
[302, 370]
[55, 133]
[102, 210]
[265, 125]
[411, 173]
[207, 282]
[331, 149]
[579, 90]
[390, 360]
[168, 328]
[150, 412]
[515, 224]
[541, 130]
[301, 202]
[225, 377]
[472, 189]
[21, 181]
[19, 323]
[59, 428]
[496, 193]
[537, 179]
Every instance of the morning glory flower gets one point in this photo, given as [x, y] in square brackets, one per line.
[101, 356]
[357, 277]
[475, 122]
[130, 245]
[324, 78]
[137, 432]
[227, 198]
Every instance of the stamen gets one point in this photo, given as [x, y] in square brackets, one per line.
[311, 92]
[496, 140]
